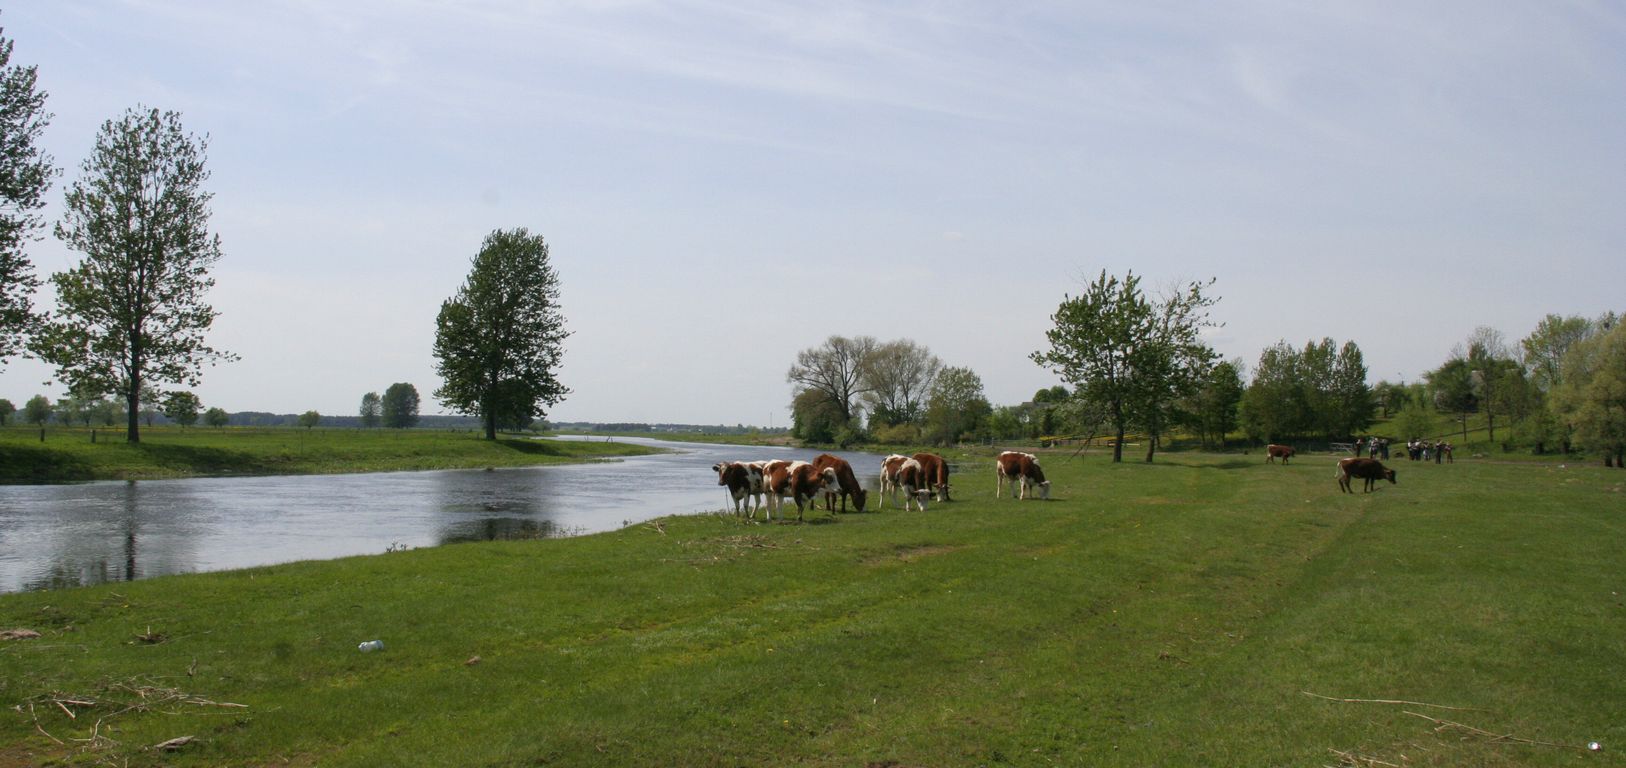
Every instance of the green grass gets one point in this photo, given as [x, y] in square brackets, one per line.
[1166, 614]
[70, 455]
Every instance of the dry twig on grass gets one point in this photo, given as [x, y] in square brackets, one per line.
[1392, 701]
[1352, 760]
[1442, 725]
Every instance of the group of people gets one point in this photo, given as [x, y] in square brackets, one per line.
[1422, 450]
[1416, 450]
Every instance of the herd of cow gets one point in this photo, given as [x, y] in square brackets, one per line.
[918, 478]
[1370, 470]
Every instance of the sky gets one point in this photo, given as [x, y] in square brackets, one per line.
[724, 184]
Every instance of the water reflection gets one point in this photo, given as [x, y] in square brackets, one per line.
[71, 535]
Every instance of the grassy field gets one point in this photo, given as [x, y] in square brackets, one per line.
[1189, 612]
[68, 454]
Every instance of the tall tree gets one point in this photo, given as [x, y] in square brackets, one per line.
[1214, 408]
[1592, 393]
[6, 409]
[310, 419]
[132, 313]
[401, 406]
[371, 409]
[837, 369]
[37, 410]
[814, 417]
[957, 406]
[216, 417]
[899, 375]
[1452, 385]
[499, 339]
[1134, 356]
[1545, 347]
[25, 175]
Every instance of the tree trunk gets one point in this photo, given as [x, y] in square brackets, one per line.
[132, 399]
[491, 425]
[1151, 445]
[1118, 446]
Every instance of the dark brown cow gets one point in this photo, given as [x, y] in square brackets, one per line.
[1370, 470]
[798, 480]
[1022, 469]
[937, 473]
[847, 483]
[1274, 452]
[744, 482]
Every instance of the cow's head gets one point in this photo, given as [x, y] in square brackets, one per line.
[721, 468]
[922, 496]
[1044, 489]
[1389, 475]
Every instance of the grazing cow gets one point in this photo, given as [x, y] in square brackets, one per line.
[937, 473]
[1370, 470]
[1274, 452]
[798, 480]
[910, 477]
[1021, 469]
[744, 482]
[889, 470]
[848, 483]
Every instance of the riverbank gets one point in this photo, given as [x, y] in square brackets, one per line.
[73, 455]
[1189, 612]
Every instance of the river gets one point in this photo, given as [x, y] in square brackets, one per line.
[55, 536]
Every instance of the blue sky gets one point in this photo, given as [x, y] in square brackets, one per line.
[724, 184]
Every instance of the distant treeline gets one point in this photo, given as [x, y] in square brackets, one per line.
[705, 429]
[425, 421]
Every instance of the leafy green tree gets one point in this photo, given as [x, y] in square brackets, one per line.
[6, 410]
[71, 409]
[1391, 398]
[182, 408]
[25, 175]
[1592, 392]
[1492, 372]
[372, 409]
[837, 369]
[103, 411]
[898, 376]
[1213, 411]
[310, 419]
[499, 339]
[956, 408]
[1452, 388]
[401, 406]
[37, 410]
[1545, 347]
[132, 313]
[1350, 398]
[216, 417]
[1133, 356]
[814, 417]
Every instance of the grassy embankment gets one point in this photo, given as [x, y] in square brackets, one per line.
[1169, 614]
[69, 455]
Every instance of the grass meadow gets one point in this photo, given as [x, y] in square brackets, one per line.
[1203, 610]
[70, 454]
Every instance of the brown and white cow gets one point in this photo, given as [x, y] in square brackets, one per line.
[889, 470]
[1274, 452]
[910, 478]
[797, 480]
[1021, 469]
[847, 483]
[1370, 470]
[937, 474]
[744, 482]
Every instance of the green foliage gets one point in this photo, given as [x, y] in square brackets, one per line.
[1318, 392]
[372, 410]
[957, 407]
[499, 339]
[1591, 396]
[1165, 615]
[37, 410]
[1132, 356]
[6, 410]
[25, 175]
[1212, 411]
[814, 417]
[216, 417]
[310, 419]
[400, 404]
[132, 312]
[182, 408]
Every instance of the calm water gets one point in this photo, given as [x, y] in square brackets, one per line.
[69, 535]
